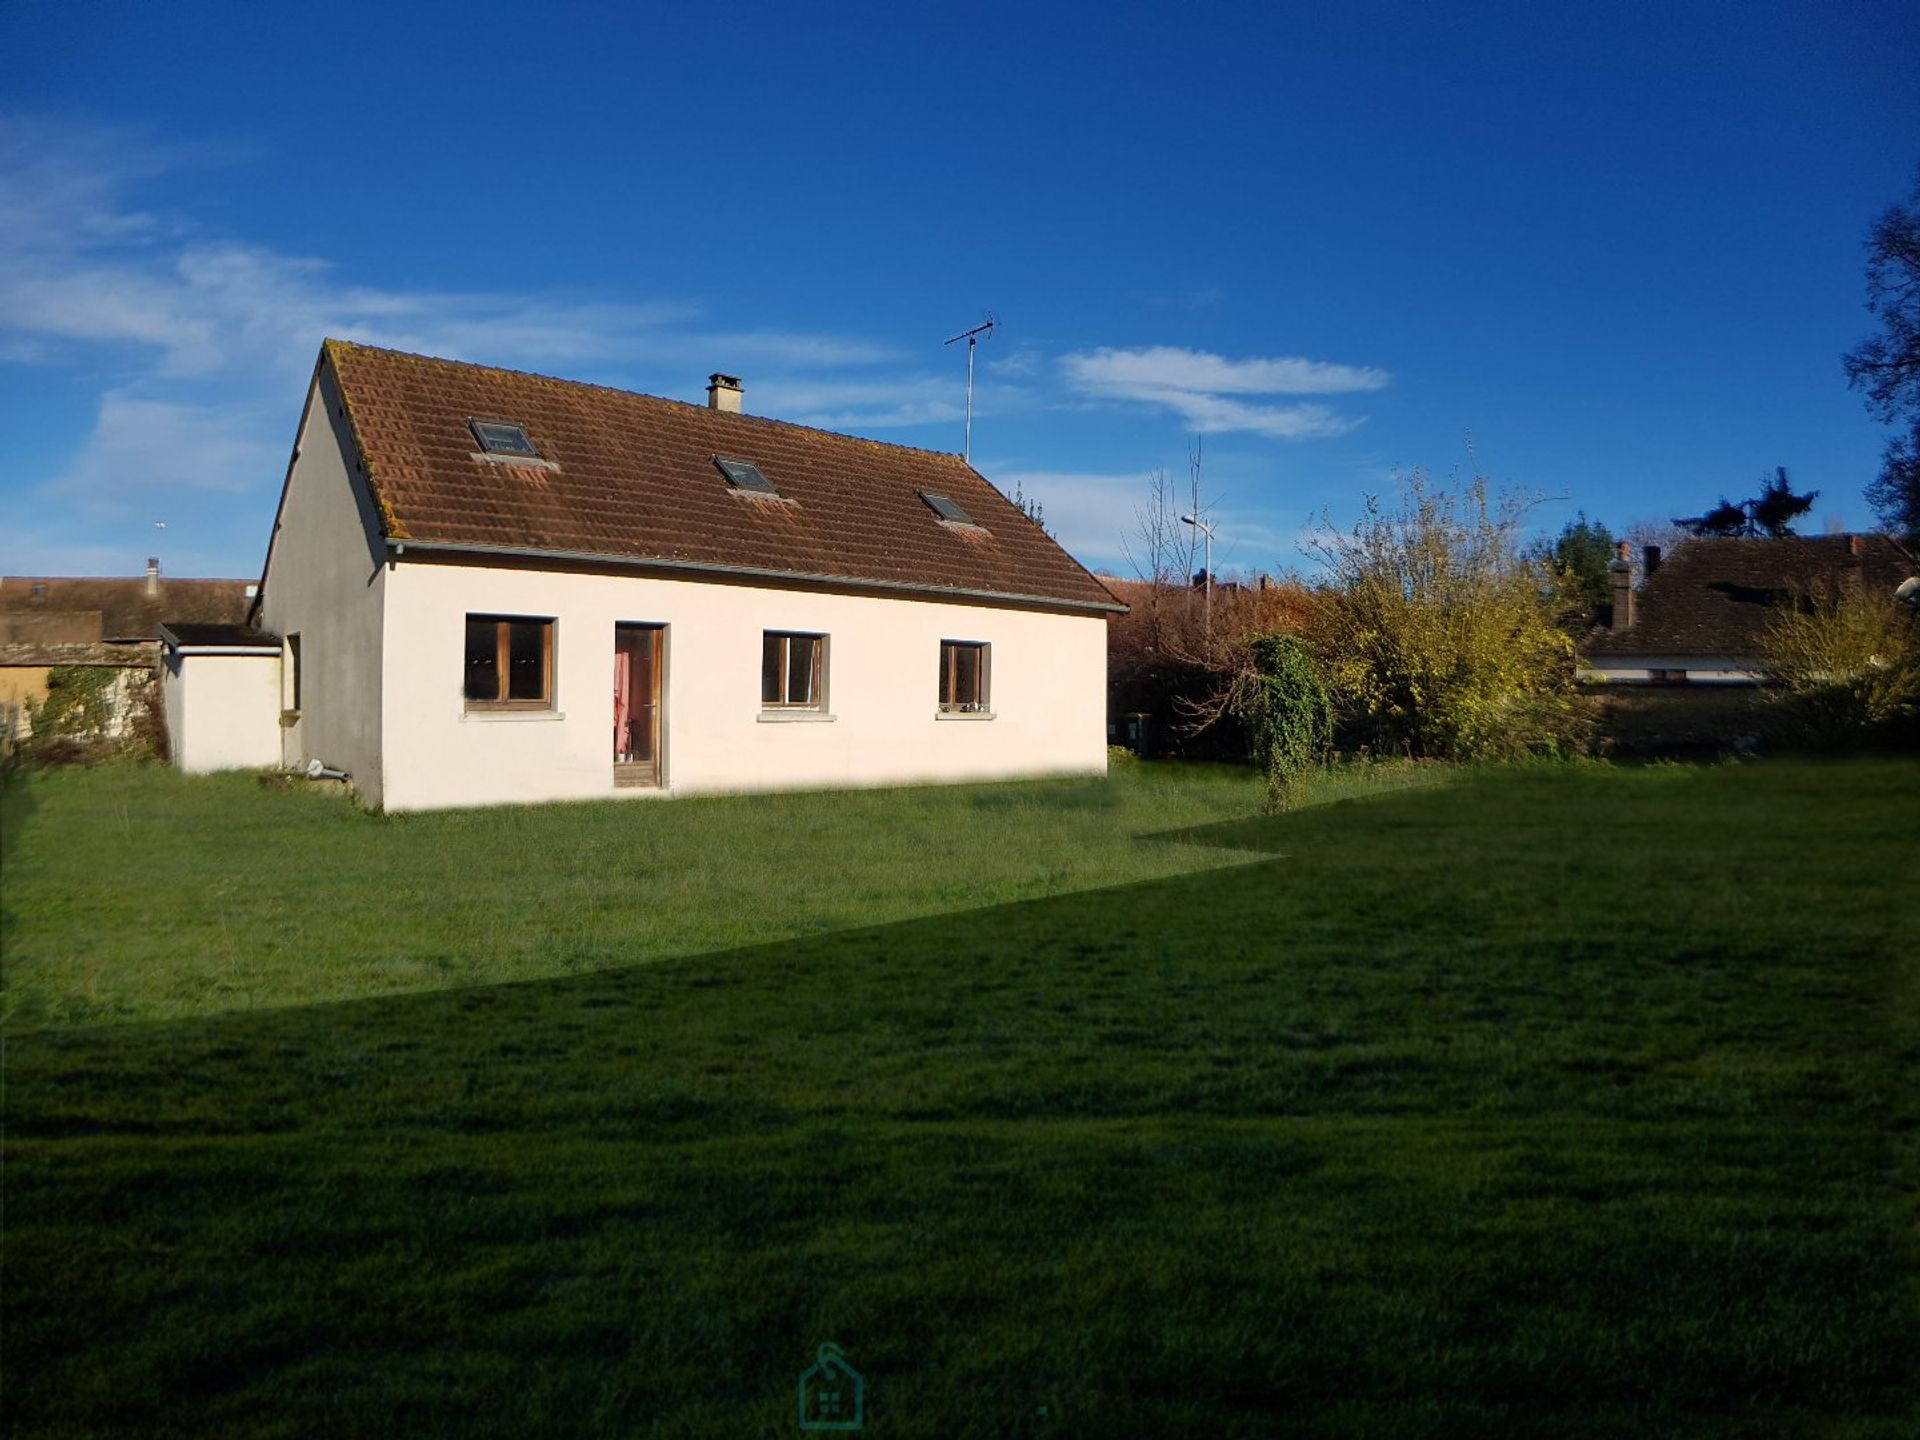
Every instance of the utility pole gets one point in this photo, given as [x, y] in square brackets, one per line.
[1205, 527]
[972, 337]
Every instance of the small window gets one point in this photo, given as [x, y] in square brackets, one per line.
[501, 437]
[745, 475]
[963, 677]
[509, 663]
[792, 669]
[945, 508]
[293, 672]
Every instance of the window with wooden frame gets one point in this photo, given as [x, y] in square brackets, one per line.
[793, 671]
[509, 663]
[963, 677]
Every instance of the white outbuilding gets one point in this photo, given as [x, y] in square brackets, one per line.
[233, 674]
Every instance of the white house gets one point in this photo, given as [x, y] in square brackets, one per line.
[487, 586]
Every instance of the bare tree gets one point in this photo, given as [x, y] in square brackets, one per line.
[1664, 533]
[1207, 673]
[1162, 550]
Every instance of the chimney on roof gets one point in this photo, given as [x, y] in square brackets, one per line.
[1620, 573]
[1856, 545]
[153, 575]
[1649, 561]
[723, 393]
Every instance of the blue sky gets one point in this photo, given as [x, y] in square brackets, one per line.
[1616, 250]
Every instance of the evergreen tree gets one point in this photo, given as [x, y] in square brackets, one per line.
[1580, 558]
[1771, 513]
[1777, 507]
[1725, 519]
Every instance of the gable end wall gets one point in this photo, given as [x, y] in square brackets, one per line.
[326, 581]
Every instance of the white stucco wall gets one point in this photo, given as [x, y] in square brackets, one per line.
[326, 581]
[223, 711]
[1701, 669]
[173, 703]
[1048, 690]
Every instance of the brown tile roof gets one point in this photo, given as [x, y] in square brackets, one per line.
[1715, 597]
[55, 609]
[632, 478]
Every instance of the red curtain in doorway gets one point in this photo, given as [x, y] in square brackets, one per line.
[622, 702]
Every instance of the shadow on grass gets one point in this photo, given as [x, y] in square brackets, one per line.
[16, 808]
[1398, 1135]
[1349, 785]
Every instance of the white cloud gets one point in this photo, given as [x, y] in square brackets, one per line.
[209, 339]
[864, 403]
[779, 347]
[143, 451]
[1196, 385]
[41, 551]
[1168, 367]
[1090, 513]
[1095, 516]
[81, 267]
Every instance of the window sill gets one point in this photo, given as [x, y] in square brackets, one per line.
[535, 460]
[963, 715]
[796, 717]
[492, 717]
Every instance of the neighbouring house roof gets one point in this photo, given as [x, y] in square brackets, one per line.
[1714, 598]
[632, 478]
[123, 655]
[180, 634]
[55, 611]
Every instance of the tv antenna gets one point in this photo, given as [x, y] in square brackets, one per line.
[972, 337]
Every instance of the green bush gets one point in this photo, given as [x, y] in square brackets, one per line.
[1289, 717]
[1847, 664]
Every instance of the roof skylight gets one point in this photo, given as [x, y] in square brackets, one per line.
[745, 475]
[501, 437]
[945, 508]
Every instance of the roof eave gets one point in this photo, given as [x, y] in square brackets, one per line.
[401, 547]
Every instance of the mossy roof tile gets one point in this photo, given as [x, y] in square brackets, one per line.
[632, 478]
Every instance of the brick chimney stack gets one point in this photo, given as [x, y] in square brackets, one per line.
[1620, 573]
[153, 575]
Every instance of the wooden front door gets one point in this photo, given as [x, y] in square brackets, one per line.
[636, 704]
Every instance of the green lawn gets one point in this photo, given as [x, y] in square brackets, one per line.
[1558, 1102]
[139, 893]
